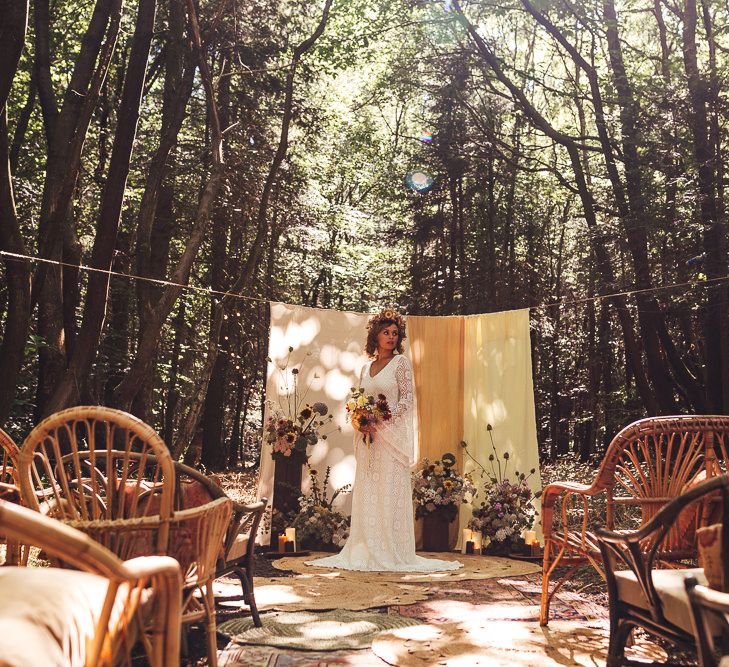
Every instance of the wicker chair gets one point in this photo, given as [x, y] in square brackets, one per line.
[146, 588]
[10, 454]
[710, 620]
[238, 550]
[9, 491]
[646, 465]
[649, 598]
[111, 476]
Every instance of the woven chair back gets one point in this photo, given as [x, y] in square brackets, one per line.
[655, 460]
[10, 455]
[104, 470]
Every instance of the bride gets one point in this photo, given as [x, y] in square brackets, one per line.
[382, 534]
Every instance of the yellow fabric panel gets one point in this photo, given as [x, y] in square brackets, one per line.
[436, 350]
[497, 386]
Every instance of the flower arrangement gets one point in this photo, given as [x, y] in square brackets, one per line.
[317, 523]
[365, 412]
[437, 487]
[507, 509]
[293, 425]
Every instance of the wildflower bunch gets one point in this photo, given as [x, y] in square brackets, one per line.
[293, 425]
[365, 412]
[317, 522]
[438, 487]
[507, 508]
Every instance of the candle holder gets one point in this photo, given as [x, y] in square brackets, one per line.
[536, 550]
[469, 547]
[289, 547]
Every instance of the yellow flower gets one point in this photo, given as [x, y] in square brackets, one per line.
[447, 485]
[362, 401]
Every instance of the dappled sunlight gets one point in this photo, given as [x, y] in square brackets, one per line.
[476, 641]
[328, 629]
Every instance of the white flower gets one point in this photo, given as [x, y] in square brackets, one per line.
[500, 535]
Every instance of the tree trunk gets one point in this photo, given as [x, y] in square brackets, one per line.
[75, 379]
[12, 37]
[128, 388]
[66, 131]
[716, 323]
[252, 262]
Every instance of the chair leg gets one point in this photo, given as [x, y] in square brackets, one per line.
[249, 596]
[212, 638]
[547, 568]
[620, 632]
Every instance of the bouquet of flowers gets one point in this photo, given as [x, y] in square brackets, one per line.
[507, 509]
[292, 425]
[437, 487]
[317, 522]
[289, 437]
[365, 412]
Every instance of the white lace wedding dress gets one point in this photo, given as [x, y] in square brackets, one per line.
[382, 534]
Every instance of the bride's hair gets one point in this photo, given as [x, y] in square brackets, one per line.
[377, 323]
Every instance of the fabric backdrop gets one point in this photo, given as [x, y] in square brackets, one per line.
[498, 390]
[468, 371]
[436, 349]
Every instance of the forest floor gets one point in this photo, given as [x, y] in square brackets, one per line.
[578, 635]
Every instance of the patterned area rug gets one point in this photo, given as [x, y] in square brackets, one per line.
[315, 631]
[475, 567]
[504, 599]
[313, 592]
[497, 623]
[492, 622]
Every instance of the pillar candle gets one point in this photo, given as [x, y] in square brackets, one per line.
[466, 538]
[530, 536]
[281, 543]
[291, 536]
[476, 537]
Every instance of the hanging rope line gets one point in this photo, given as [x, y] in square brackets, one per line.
[210, 291]
[131, 276]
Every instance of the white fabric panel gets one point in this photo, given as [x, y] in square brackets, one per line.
[335, 341]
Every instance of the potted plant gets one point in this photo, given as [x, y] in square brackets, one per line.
[507, 508]
[291, 428]
[438, 492]
[319, 526]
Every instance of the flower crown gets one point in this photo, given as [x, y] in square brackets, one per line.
[388, 314]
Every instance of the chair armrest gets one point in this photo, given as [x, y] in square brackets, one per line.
[149, 566]
[564, 490]
[552, 491]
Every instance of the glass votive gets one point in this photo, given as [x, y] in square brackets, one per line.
[289, 547]
[465, 539]
[291, 537]
[469, 547]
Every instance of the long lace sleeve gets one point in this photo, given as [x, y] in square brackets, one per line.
[404, 379]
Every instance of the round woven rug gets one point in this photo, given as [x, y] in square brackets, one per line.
[315, 631]
[474, 567]
[308, 591]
